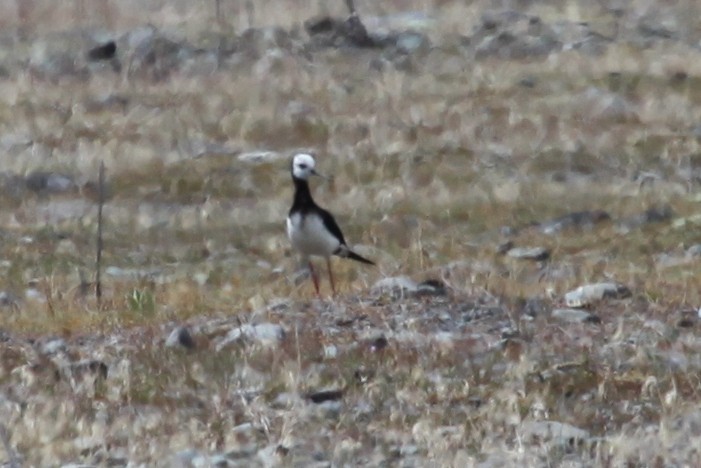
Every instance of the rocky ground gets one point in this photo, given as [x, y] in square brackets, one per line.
[525, 174]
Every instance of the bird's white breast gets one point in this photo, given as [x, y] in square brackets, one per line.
[309, 235]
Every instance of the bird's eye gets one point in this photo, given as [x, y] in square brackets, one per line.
[302, 166]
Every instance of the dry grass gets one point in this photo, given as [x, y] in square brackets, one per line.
[429, 165]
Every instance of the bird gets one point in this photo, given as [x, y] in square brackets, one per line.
[312, 230]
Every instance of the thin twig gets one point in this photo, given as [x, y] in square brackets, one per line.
[98, 260]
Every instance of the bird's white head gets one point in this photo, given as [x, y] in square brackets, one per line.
[303, 166]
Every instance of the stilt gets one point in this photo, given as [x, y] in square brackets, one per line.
[314, 278]
[333, 286]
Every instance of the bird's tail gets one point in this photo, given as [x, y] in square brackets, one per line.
[354, 256]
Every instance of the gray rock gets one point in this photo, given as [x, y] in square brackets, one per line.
[410, 41]
[592, 293]
[180, 336]
[326, 31]
[407, 450]
[529, 253]
[330, 351]
[579, 36]
[264, 334]
[49, 182]
[578, 219]
[404, 21]
[573, 315]
[694, 251]
[53, 346]
[395, 284]
[431, 287]
[33, 294]
[210, 461]
[513, 35]
[553, 432]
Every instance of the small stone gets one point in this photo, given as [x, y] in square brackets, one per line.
[578, 219]
[431, 287]
[410, 41]
[180, 337]
[264, 334]
[48, 182]
[529, 253]
[408, 450]
[553, 432]
[694, 251]
[330, 351]
[53, 346]
[571, 315]
[592, 293]
[210, 461]
[394, 284]
[34, 294]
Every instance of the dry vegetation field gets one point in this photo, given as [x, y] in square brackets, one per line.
[567, 126]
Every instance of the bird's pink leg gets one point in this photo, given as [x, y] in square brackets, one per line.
[333, 286]
[314, 278]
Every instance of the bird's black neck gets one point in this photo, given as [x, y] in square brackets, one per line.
[303, 196]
